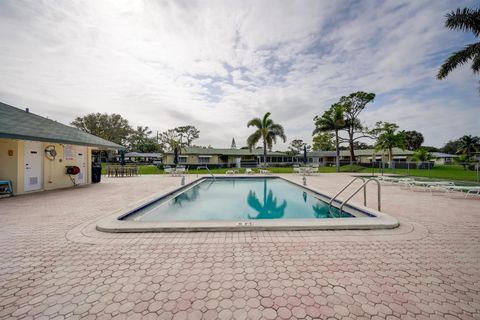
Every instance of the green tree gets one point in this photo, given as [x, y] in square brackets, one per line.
[171, 141]
[353, 105]
[465, 20]
[323, 141]
[468, 145]
[450, 147]
[388, 138]
[266, 130]
[332, 120]
[178, 138]
[422, 155]
[111, 127]
[296, 146]
[413, 139]
[139, 140]
[187, 134]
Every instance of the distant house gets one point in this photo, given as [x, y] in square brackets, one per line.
[371, 155]
[35, 151]
[443, 158]
[217, 157]
[367, 156]
[321, 158]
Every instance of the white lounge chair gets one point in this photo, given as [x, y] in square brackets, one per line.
[180, 171]
[469, 190]
[169, 170]
[265, 171]
[249, 171]
[427, 184]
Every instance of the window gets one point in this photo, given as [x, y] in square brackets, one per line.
[203, 159]
[182, 159]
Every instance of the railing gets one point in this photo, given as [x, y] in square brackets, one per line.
[352, 181]
[206, 167]
[364, 194]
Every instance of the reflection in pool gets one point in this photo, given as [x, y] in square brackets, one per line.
[238, 199]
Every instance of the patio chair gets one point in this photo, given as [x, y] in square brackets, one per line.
[249, 171]
[265, 171]
[180, 171]
[6, 187]
[168, 170]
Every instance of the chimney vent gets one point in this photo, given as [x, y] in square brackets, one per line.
[27, 110]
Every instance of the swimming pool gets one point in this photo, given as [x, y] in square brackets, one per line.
[239, 199]
[242, 203]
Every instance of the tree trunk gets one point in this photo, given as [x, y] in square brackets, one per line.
[264, 153]
[337, 152]
[390, 158]
[352, 152]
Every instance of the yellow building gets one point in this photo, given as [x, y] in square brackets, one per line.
[35, 152]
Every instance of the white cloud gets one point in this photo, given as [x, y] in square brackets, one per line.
[217, 64]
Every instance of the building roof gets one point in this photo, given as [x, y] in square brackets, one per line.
[143, 154]
[19, 124]
[369, 152]
[226, 152]
[443, 155]
[320, 154]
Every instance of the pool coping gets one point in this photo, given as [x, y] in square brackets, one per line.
[113, 224]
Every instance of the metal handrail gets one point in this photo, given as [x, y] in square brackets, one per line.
[206, 167]
[339, 192]
[364, 188]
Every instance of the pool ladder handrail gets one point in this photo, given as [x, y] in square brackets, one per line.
[345, 187]
[364, 187]
[206, 167]
[379, 191]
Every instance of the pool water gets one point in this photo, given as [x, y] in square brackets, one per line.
[239, 199]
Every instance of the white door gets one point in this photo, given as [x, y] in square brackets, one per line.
[33, 166]
[81, 160]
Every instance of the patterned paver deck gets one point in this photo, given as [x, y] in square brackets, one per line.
[54, 264]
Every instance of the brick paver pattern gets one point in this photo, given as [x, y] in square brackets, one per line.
[265, 275]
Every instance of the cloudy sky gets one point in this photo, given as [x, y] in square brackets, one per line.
[217, 64]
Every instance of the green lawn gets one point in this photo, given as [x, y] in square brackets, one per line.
[451, 172]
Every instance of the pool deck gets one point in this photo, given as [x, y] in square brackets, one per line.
[54, 264]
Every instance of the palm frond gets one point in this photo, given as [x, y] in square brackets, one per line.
[265, 117]
[465, 19]
[267, 123]
[269, 140]
[255, 122]
[476, 63]
[459, 58]
[253, 139]
[278, 131]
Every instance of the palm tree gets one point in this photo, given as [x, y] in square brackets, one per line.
[422, 155]
[268, 131]
[466, 20]
[388, 138]
[332, 120]
[468, 145]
